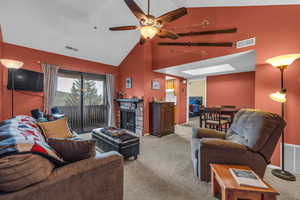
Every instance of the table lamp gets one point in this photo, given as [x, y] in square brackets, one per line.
[282, 62]
[13, 65]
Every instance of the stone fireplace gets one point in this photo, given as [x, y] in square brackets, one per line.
[131, 115]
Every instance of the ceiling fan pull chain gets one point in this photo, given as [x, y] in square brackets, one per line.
[148, 7]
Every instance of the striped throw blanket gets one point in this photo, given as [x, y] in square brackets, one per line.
[22, 135]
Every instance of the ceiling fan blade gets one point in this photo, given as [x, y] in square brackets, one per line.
[142, 40]
[232, 30]
[220, 44]
[135, 9]
[171, 16]
[163, 33]
[123, 28]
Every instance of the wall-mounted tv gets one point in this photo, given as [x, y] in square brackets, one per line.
[25, 80]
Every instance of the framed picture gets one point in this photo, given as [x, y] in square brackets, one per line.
[155, 85]
[128, 82]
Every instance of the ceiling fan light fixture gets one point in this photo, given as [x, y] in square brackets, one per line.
[148, 32]
[149, 24]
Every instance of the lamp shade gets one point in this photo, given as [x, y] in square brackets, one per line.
[283, 60]
[148, 32]
[13, 64]
[279, 96]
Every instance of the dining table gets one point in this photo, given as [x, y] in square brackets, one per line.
[224, 111]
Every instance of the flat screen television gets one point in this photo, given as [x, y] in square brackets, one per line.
[25, 80]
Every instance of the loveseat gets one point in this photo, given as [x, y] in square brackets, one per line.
[99, 177]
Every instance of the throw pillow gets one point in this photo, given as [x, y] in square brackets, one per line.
[22, 170]
[56, 129]
[73, 150]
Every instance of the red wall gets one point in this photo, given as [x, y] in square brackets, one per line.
[277, 31]
[133, 67]
[138, 66]
[231, 89]
[181, 100]
[149, 76]
[26, 101]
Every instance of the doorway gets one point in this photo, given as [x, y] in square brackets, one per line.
[81, 97]
[171, 95]
[171, 89]
[196, 98]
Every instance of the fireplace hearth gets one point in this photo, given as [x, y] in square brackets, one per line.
[128, 120]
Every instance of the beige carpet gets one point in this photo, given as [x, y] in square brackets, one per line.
[164, 171]
[193, 122]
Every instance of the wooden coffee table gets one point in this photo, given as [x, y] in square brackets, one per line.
[222, 182]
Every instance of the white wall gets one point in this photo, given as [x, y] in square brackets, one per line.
[197, 88]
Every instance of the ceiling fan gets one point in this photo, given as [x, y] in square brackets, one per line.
[150, 25]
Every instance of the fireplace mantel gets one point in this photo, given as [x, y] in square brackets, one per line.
[130, 100]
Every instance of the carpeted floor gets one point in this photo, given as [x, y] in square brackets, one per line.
[164, 171]
[193, 122]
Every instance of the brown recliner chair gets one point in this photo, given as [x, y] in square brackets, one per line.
[251, 141]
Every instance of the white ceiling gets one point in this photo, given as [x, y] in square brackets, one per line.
[241, 62]
[52, 25]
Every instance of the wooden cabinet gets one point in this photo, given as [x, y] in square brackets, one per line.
[162, 118]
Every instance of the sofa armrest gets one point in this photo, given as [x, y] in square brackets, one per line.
[225, 152]
[222, 145]
[207, 133]
[102, 160]
[94, 179]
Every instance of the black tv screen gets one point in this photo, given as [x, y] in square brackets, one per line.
[25, 80]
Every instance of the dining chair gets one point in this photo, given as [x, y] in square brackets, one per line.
[225, 116]
[213, 119]
[201, 116]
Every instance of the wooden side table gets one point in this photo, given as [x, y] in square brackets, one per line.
[222, 182]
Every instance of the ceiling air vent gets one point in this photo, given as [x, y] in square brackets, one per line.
[246, 43]
[71, 48]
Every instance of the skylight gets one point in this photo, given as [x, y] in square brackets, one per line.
[169, 78]
[210, 70]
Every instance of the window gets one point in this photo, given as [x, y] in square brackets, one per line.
[82, 98]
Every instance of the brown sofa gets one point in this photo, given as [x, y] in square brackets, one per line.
[99, 178]
[251, 141]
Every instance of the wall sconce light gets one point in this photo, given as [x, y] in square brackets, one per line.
[11, 64]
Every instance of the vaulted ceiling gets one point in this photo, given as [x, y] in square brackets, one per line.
[83, 25]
